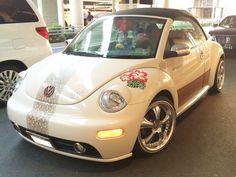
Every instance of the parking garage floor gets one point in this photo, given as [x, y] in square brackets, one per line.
[204, 145]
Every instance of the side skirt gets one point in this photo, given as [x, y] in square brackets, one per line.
[184, 107]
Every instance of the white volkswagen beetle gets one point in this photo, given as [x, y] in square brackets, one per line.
[118, 86]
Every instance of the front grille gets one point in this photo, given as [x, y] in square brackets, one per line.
[61, 144]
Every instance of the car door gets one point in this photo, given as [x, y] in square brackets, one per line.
[187, 71]
[202, 45]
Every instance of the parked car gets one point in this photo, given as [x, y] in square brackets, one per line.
[23, 42]
[119, 86]
[225, 33]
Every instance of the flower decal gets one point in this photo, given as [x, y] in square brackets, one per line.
[135, 78]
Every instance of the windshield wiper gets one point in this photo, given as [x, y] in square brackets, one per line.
[80, 53]
[127, 56]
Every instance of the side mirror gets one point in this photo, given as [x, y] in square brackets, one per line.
[177, 50]
[69, 46]
[215, 25]
[68, 41]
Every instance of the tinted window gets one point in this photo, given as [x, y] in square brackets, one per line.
[229, 22]
[16, 11]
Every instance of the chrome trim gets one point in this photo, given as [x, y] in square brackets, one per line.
[157, 133]
[100, 102]
[8, 80]
[220, 76]
[183, 108]
[79, 148]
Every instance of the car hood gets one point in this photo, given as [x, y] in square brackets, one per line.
[68, 79]
[223, 31]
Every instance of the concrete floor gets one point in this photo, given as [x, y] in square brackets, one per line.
[204, 145]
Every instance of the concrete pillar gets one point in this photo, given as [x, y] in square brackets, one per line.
[40, 6]
[117, 6]
[161, 3]
[166, 4]
[130, 4]
[50, 13]
[60, 12]
[215, 4]
[76, 13]
[113, 5]
[155, 3]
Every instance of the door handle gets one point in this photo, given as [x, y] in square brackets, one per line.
[176, 67]
[201, 54]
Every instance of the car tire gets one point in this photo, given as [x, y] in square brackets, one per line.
[219, 78]
[157, 127]
[8, 78]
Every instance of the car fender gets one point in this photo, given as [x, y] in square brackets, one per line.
[217, 53]
[157, 81]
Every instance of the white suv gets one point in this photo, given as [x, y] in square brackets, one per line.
[23, 42]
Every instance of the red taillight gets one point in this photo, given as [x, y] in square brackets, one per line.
[43, 31]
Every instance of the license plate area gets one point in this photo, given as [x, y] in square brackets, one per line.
[41, 140]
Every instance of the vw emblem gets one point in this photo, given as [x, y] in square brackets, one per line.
[48, 91]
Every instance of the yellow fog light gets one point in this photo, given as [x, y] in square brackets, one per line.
[110, 133]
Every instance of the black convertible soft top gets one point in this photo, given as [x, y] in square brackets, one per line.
[161, 12]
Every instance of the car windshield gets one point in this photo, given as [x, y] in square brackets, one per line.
[125, 37]
[229, 22]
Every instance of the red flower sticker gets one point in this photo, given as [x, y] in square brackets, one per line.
[135, 78]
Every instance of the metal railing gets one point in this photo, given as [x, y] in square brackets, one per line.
[60, 34]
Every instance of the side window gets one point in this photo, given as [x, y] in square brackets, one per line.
[184, 32]
[229, 22]
[16, 11]
[90, 41]
[197, 34]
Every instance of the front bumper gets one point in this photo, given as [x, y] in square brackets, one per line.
[70, 124]
[65, 147]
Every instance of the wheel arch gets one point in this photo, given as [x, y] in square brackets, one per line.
[15, 63]
[7, 91]
[216, 55]
[214, 68]
[138, 148]
[168, 94]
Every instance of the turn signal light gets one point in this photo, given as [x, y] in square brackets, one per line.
[104, 134]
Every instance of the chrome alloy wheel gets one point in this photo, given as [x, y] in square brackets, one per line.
[220, 76]
[157, 126]
[8, 80]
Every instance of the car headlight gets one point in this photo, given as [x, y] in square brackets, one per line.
[111, 101]
[21, 77]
